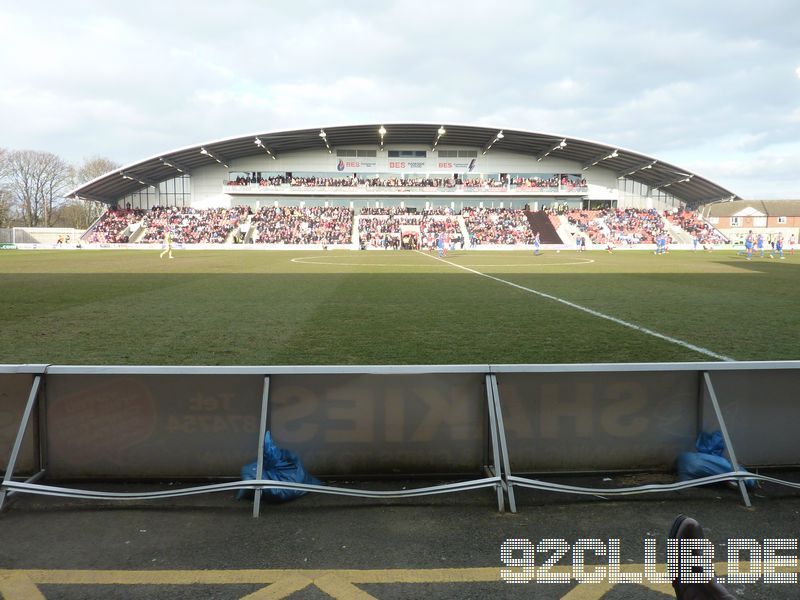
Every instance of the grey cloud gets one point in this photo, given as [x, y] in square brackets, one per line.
[133, 79]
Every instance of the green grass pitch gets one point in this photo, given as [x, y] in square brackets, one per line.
[345, 307]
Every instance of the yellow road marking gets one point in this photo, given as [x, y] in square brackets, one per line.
[341, 589]
[17, 586]
[21, 584]
[281, 589]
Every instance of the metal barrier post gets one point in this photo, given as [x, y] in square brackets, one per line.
[495, 469]
[512, 504]
[23, 425]
[262, 433]
[728, 444]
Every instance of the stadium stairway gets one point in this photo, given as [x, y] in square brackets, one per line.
[462, 227]
[241, 231]
[355, 239]
[137, 235]
[540, 221]
[679, 235]
[566, 231]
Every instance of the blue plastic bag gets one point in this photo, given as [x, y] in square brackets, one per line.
[708, 459]
[279, 465]
[710, 443]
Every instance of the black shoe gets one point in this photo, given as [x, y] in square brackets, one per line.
[686, 528]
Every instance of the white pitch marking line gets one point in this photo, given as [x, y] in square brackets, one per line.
[591, 311]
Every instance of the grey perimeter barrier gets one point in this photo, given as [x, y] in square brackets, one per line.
[482, 426]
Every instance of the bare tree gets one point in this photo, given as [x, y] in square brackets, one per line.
[93, 168]
[6, 212]
[37, 182]
[82, 213]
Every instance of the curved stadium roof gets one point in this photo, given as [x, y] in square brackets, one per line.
[685, 185]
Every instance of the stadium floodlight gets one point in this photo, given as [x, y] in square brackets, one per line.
[260, 143]
[439, 133]
[382, 132]
[322, 134]
[500, 135]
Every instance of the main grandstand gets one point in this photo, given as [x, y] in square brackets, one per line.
[401, 185]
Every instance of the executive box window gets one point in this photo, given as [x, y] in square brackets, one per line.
[407, 153]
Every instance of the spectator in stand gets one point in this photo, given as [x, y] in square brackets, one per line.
[307, 225]
[497, 226]
[110, 227]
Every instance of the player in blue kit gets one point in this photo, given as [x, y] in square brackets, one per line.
[778, 247]
[760, 244]
[748, 244]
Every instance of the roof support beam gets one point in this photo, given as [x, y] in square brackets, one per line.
[217, 157]
[679, 178]
[171, 163]
[600, 158]
[139, 178]
[497, 137]
[91, 198]
[636, 168]
[560, 145]
[258, 142]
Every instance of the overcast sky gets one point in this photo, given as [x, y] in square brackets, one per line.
[710, 86]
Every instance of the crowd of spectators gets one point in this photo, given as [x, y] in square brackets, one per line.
[112, 226]
[390, 230]
[392, 210]
[628, 226]
[538, 183]
[306, 225]
[554, 182]
[589, 223]
[192, 226]
[431, 227]
[438, 210]
[506, 226]
[574, 183]
[262, 181]
[690, 222]
[385, 229]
